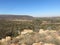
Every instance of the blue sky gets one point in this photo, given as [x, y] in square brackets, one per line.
[39, 8]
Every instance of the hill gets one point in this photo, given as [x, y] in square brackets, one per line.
[16, 17]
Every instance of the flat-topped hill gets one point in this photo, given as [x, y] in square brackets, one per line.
[16, 17]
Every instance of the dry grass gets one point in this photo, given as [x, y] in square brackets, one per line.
[47, 37]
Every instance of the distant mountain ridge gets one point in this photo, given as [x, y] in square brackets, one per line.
[24, 17]
[14, 17]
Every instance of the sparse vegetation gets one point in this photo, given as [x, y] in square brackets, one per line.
[50, 33]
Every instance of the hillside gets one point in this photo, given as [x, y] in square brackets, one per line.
[11, 24]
